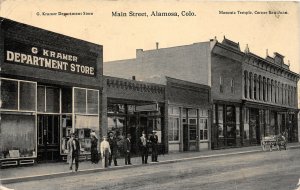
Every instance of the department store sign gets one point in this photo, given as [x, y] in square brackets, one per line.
[44, 58]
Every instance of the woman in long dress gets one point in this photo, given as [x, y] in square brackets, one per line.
[94, 149]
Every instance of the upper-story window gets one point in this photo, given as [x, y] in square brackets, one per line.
[255, 87]
[250, 86]
[232, 85]
[221, 84]
[245, 84]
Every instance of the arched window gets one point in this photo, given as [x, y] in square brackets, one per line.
[275, 90]
[268, 92]
[283, 94]
[245, 84]
[259, 87]
[221, 84]
[232, 85]
[264, 88]
[272, 91]
[250, 86]
[255, 87]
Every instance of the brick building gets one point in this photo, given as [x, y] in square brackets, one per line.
[51, 85]
[131, 107]
[251, 96]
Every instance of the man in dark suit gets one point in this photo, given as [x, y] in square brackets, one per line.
[74, 151]
[127, 149]
[114, 148]
[154, 142]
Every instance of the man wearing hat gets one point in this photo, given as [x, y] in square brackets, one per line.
[113, 147]
[127, 149]
[144, 147]
[74, 151]
[154, 141]
[94, 148]
[105, 151]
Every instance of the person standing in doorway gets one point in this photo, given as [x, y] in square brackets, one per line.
[105, 151]
[144, 148]
[154, 142]
[127, 149]
[74, 151]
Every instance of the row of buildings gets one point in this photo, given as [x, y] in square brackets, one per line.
[203, 96]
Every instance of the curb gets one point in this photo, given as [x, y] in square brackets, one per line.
[98, 170]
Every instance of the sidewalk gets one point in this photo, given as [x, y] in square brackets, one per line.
[52, 170]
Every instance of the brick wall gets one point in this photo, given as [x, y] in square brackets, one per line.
[189, 63]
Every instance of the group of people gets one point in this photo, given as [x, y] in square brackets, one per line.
[148, 144]
[109, 149]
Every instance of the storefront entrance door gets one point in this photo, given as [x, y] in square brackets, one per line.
[185, 137]
[48, 137]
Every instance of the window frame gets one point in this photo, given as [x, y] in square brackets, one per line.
[18, 96]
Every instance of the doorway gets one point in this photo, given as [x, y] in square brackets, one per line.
[185, 137]
[48, 138]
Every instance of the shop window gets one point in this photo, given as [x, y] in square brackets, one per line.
[118, 108]
[214, 114]
[192, 128]
[220, 121]
[66, 127]
[92, 102]
[52, 100]
[237, 120]
[79, 100]
[203, 129]
[230, 114]
[86, 101]
[66, 100]
[83, 127]
[173, 129]
[18, 136]
[192, 113]
[41, 94]
[116, 125]
[9, 94]
[246, 124]
[27, 96]
[18, 95]
[48, 99]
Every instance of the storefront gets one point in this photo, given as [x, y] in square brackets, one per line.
[134, 107]
[188, 116]
[51, 86]
[236, 125]
[226, 128]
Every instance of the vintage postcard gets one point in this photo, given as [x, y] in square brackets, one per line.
[149, 94]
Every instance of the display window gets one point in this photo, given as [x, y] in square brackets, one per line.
[17, 136]
[85, 116]
[48, 99]
[116, 124]
[18, 95]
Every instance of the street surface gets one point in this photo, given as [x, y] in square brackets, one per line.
[278, 170]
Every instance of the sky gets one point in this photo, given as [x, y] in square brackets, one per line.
[122, 35]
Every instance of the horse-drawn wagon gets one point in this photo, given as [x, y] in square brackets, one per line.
[273, 142]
